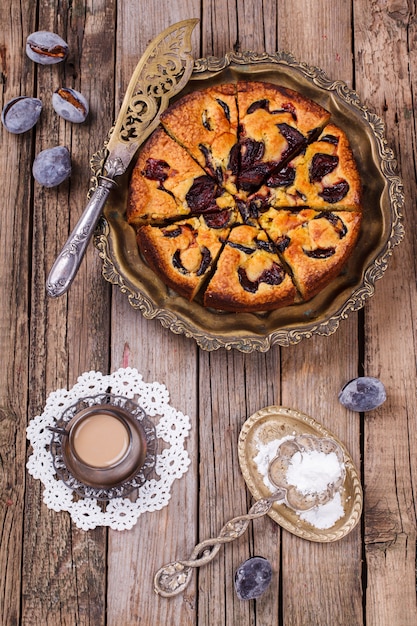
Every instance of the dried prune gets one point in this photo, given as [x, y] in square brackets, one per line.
[70, 104]
[202, 195]
[205, 260]
[283, 178]
[322, 164]
[363, 394]
[52, 166]
[225, 108]
[21, 114]
[335, 193]
[253, 578]
[156, 169]
[46, 48]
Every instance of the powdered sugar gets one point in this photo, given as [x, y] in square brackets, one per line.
[310, 472]
[325, 515]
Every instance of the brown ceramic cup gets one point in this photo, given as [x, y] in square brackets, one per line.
[101, 463]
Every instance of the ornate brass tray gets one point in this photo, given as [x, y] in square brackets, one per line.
[276, 423]
[382, 227]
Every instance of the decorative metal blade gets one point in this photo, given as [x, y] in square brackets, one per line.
[162, 72]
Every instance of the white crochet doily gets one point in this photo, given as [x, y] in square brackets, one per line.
[172, 460]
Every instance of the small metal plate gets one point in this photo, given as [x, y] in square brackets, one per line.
[273, 423]
[381, 231]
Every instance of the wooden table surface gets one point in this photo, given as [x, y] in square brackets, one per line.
[50, 571]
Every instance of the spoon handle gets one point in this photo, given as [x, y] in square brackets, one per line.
[173, 578]
[69, 259]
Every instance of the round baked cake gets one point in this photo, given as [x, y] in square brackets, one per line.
[247, 197]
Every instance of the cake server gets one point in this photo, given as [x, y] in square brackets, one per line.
[162, 72]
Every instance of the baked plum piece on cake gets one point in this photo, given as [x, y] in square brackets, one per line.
[249, 275]
[323, 176]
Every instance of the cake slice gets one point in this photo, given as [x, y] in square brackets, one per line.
[323, 176]
[249, 275]
[205, 123]
[315, 245]
[275, 123]
[183, 254]
[166, 183]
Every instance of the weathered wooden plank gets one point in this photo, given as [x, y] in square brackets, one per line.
[159, 355]
[238, 386]
[385, 37]
[16, 79]
[64, 568]
[314, 591]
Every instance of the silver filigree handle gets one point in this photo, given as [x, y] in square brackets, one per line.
[173, 578]
[69, 259]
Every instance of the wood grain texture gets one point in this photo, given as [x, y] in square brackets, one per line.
[15, 156]
[385, 37]
[53, 574]
[64, 583]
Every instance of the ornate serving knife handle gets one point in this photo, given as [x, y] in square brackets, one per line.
[68, 260]
[162, 72]
[173, 578]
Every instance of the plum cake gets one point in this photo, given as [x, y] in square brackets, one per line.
[246, 198]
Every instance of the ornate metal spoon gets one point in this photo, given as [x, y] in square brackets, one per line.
[162, 72]
[173, 578]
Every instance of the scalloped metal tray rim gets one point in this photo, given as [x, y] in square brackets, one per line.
[242, 339]
[280, 418]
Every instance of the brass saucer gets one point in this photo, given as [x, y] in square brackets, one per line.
[275, 423]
